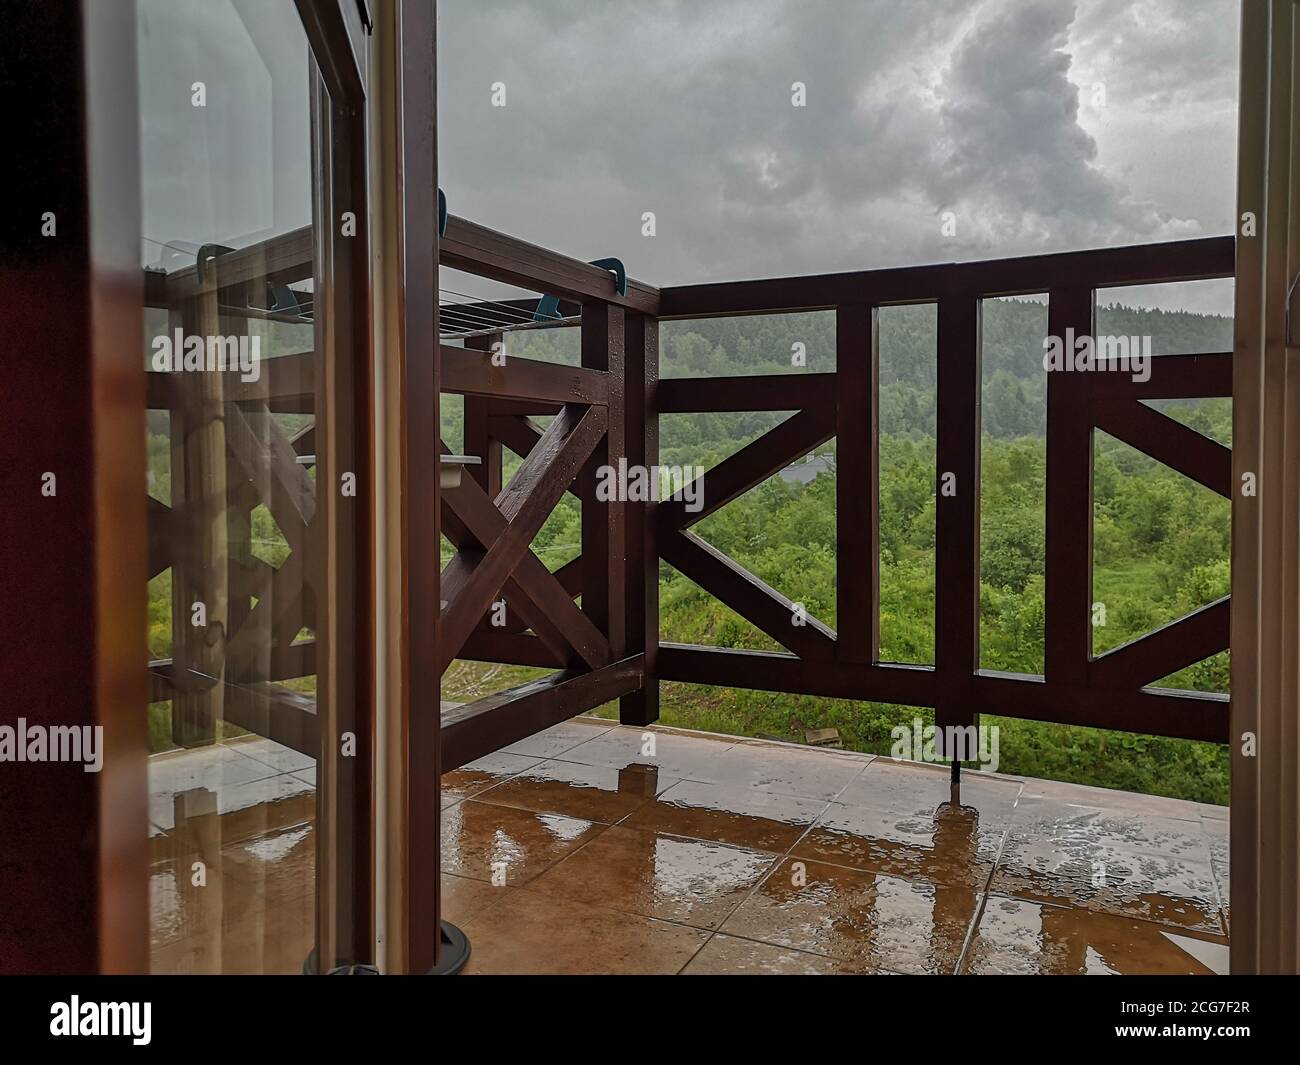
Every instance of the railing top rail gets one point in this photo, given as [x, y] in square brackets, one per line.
[1183, 260]
[488, 253]
[466, 246]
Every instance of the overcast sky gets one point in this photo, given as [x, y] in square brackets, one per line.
[985, 108]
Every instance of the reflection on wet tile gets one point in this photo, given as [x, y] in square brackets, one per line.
[865, 920]
[950, 848]
[789, 770]
[254, 911]
[729, 956]
[556, 740]
[245, 808]
[1147, 867]
[621, 859]
[464, 899]
[482, 774]
[232, 860]
[214, 768]
[1020, 937]
[595, 793]
[534, 934]
[744, 817]
[1152, 889]
[685, 880]
[520, 844]
[270, 902]
[673, 754]
[1070, 825]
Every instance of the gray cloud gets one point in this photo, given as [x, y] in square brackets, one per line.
[913, 109]
[1017, 161]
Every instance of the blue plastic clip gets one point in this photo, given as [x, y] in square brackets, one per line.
[204, 255]
[283, 300]
[548, 307]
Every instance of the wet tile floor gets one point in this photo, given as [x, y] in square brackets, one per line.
[232, 858]
[597, 848]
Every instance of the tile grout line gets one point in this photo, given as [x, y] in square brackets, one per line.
[778, 861]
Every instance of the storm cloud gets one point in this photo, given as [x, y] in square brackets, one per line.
[989, 111]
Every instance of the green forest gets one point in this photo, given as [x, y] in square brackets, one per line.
[1161, 542]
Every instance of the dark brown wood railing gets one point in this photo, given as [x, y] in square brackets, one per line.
[608, 409]
[1106, 691]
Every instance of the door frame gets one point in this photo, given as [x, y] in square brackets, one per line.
[74, 563]
[1265, 733]
[345, 784]
[404, 168]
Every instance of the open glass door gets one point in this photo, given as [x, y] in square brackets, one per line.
[255, 326]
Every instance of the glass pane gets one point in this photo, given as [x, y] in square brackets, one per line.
[236, 531]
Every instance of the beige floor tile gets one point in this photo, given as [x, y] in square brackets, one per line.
[595, 793]
[1017, 937]
[867, 921]
[535, 934]
[689, 881]
[789, 770]
[729, 956]
[478, 776]
[464, 899]
[952, 847]
[743, 817]
[482, 841]
[672, 753]
[920, 790]
[560, 739]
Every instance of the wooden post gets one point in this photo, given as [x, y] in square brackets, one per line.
[956, 566]
[641, 426]
[1068, 563]
[201, 558]
[857, 487]
[241, 499]
[604, 546]
[478, 417]
[421, 516]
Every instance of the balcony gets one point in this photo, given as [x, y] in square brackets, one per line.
[707, 854]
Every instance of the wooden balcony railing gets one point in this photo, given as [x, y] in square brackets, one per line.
[607, 410]
[1106, 691]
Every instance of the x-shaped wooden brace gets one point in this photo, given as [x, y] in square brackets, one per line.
[713, 571]
[269, 460]
[519, 433]
[260, 456]
[1204, 631]
[493, 542]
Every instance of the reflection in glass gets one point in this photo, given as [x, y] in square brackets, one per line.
[235, 547]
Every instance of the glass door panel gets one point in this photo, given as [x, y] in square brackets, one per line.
[248, 585]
